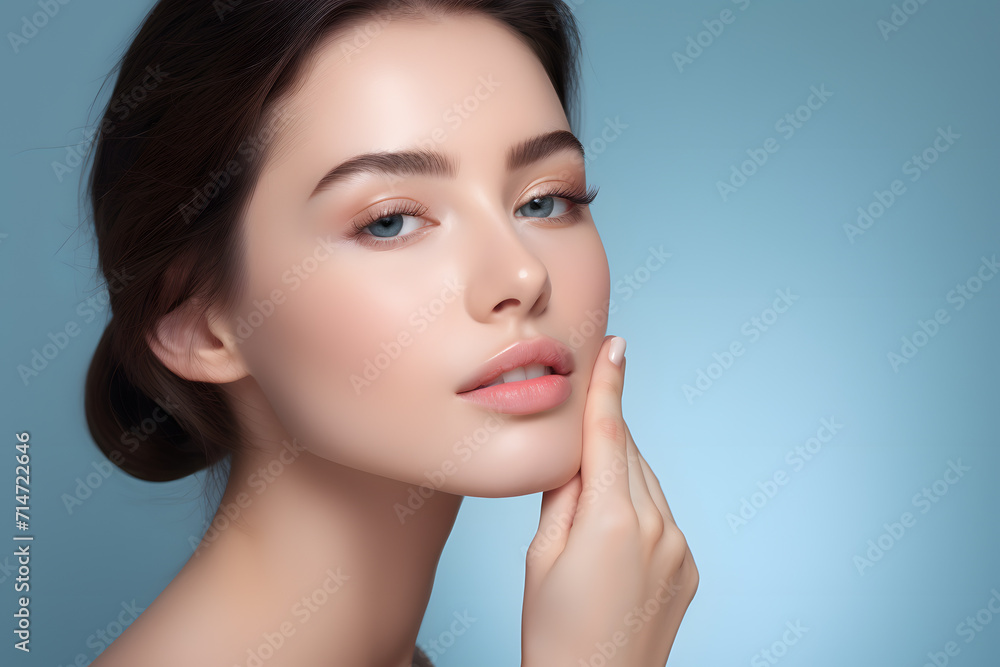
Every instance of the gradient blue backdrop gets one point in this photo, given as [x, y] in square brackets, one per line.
[673, 129]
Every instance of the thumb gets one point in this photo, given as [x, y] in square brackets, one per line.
[558, 509]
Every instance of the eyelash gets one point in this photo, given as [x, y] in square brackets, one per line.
[577, 196]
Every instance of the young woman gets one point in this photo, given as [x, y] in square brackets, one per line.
[357, 258]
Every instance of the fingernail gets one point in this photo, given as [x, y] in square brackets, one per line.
[616, 351]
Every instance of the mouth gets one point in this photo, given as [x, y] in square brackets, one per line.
[529, 372]
[527, 377]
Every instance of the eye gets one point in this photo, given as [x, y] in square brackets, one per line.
[561, 203]
[395, 223]
[389, 225]
[542, 207]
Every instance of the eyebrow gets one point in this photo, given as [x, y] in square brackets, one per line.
[434, 163]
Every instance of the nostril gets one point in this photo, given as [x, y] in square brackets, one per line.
[500, 306]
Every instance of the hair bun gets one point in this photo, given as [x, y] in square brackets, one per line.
[140, 434]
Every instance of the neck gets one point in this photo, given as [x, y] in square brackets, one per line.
[347, 558]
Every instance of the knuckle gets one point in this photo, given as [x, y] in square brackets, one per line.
[675, 546]
[652, 527]
[688, 579]
[611, 427]
[618, 520]
[694, 581]
[537, 543]
[534, 553]
[675, 538]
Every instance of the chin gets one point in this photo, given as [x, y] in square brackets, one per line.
[523, 463]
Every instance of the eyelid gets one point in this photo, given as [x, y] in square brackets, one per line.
[577, 195]
[386, 208]
[381, 210]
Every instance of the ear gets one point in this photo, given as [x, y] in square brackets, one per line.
[198, 345]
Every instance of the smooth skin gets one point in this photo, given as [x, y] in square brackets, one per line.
[329, 506]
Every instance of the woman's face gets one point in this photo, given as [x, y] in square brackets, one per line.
[358, 342]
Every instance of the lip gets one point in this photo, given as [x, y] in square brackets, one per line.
[523, 397]
[539, 350]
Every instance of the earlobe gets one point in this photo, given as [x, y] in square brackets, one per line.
[197, 345]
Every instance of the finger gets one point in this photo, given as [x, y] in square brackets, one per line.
[655, 490]
[555, 519]
[604, 462]
[650, 515]
[679, 592]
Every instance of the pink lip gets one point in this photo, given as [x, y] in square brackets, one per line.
[525, 396]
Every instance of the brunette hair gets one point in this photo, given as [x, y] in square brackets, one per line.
[176, 157]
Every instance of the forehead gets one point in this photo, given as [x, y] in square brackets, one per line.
[442, 82]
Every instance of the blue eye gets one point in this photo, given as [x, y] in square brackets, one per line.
[386, 226]
[542, 207]
[387, 223]
[394, 223]
[562, 203]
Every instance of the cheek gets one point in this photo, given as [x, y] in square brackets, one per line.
[350, 364]
[581, 293]
[309, 335]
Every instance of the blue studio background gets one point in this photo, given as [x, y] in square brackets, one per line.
[814, 371]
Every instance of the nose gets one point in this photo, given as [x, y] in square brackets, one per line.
[505, 279]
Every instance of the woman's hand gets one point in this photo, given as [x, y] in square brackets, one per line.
[609, 574]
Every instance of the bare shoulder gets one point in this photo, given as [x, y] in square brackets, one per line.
[194, 621]
[154, 637]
